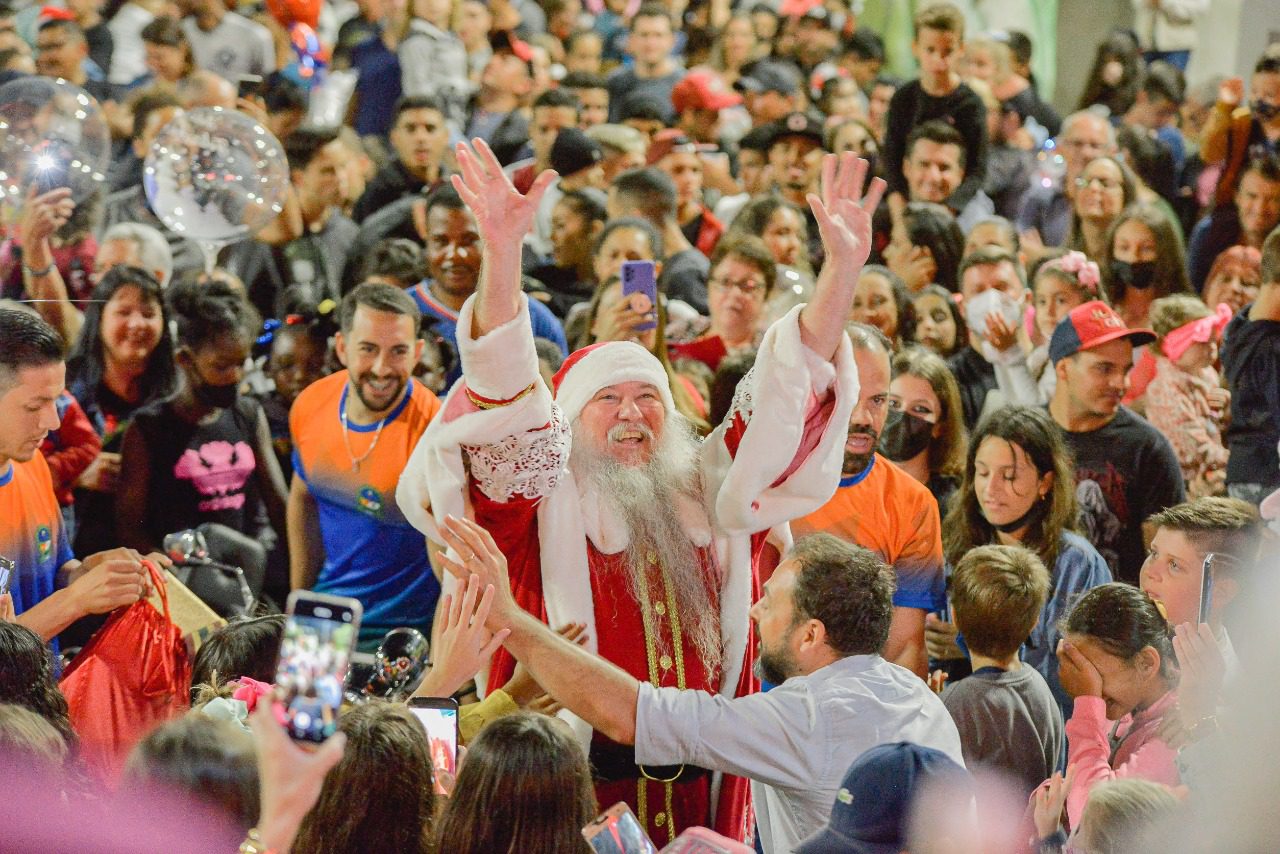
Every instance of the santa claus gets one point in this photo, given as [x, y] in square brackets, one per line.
[609, 510]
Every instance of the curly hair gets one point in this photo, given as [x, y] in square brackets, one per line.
[27, 679]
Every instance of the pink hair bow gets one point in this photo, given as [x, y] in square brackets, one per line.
[251, 690]
[1196, 332]
[1079, 265]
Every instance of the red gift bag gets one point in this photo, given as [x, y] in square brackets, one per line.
[132, 675]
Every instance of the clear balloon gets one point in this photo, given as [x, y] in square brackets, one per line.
[215, 176]
[52, 134]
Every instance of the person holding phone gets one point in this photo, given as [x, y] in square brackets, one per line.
[598, 497]
[1217, 536]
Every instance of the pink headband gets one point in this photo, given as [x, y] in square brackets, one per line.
[250, 690]
[1078, 264]
[1196, 332]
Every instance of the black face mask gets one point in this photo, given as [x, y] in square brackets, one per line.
[904, 436]
[1134, 274]
[215, 396]
[1032, 515]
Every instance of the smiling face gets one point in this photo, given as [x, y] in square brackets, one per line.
[736, 295]
[874, 305]
[935, 324]
[132, 324]
[625, 421]
[453, 250]
[1005, 482]
[933, 171]
[27, 408]
[1095, 380]
[380, 352]
[1235, 284]
[1258, 204]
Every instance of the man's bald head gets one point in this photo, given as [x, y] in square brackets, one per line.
[204, 88]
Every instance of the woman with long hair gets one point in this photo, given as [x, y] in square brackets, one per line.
[525, 787]
[27, 679]
[783, 228]
[735, 47]
[1019, 489]
[1106, 186]
[881, 299]
[1144, 260]
[122, 361]
[381, 796]
[924, 432]
[927, 249]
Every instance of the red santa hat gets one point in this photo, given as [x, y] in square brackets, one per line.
[608, 363]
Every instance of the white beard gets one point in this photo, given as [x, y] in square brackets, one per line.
[643, 497]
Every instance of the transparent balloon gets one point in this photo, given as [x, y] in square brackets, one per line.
[215, 176]
[52, 134]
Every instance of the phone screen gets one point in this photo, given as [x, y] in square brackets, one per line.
[440, 718]
[6, 574]
[639, 277]
[319, 635]
[616, 831]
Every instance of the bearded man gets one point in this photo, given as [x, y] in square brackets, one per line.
[609, 511]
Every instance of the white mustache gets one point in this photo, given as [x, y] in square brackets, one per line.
[620, 431]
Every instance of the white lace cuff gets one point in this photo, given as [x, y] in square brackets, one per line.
[526, 465]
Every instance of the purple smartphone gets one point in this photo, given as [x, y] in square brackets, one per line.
[640, 277]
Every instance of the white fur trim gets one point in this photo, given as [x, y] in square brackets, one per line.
[606, 365]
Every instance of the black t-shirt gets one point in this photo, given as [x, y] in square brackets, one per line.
[563, 288]
[200, 472]
[1125, 472]
[392, 183]
[962, 109]
[976, 377]
[1251, 362]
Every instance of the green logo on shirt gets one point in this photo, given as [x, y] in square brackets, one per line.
[369, 500]
[44, 542]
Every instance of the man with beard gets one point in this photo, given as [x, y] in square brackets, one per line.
[352, 433]
[454, 245]
[823, 614]
[609, 511]
[880, 507]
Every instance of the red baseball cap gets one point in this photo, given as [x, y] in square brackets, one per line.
[702, 90]
[1089, 325]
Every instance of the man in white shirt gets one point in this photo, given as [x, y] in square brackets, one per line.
[228, 44]
[824, 613]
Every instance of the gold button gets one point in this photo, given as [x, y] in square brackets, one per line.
[653, 557]
[665, 661]
[661, 608]
[660, 819]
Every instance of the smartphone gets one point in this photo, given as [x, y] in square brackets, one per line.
[640, 277]
[439, 715]
[699, 840]
[319, 635]
[7, 568]
[1211, 562]
[250, 86]
[616, 831]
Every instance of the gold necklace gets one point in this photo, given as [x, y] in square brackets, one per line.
[356, 461]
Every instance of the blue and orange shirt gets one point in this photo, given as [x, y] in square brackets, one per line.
[886, 510]
[31, 531]
[372, 553]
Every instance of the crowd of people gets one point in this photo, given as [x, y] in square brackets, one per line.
[923, 506]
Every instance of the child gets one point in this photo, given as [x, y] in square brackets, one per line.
[1185, 400]
[1060, 285]
[1116, 659]
[938, 94]
[1185, 535]
[1007, 716]
[297, 360]
[1120, 817]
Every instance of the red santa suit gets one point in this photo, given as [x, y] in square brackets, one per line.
[499, 453]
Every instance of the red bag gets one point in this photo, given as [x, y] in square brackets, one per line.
[132, 675]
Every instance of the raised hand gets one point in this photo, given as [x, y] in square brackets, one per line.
[843, 213]
[503, 214]
[465, 644]
[479, 557]
[1048, 801]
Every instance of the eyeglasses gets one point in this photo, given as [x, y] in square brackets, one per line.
[750, 287]
[1103, 183]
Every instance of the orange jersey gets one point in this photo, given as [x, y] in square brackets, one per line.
[886, 510]
[31, 531]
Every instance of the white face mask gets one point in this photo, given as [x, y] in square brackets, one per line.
[988, 302]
